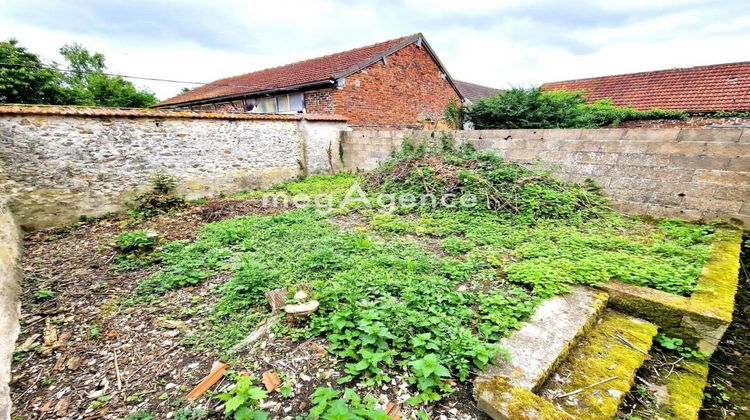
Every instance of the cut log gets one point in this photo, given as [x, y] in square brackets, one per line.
[277, 299]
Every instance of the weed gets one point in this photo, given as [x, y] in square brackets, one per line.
[329, 403]
[676, 345]
[160, 199]
[190, 414]
[135, 249]
[429, 375]
[242, 400]
[42, 294]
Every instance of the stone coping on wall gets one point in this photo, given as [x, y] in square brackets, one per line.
[706, 134]
[700, 319]
[88, 111]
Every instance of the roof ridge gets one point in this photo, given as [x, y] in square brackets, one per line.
[403, 38]
[674, 69]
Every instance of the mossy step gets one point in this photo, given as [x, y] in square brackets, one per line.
[601, 369]
[700, 319]
[683, 396]
[543, 342]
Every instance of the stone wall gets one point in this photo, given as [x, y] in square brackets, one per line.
[57, 163]
[10, 275]
[688, 173]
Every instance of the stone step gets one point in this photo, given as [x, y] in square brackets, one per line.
[544, 341]
[600, 370]
[536, 350]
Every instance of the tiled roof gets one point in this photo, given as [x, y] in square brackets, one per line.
[325, 69]
[472, 91]
[87, 111]
[721, 87]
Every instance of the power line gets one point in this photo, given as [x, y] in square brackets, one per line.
[106, 74]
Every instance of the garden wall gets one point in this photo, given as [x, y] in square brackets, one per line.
[57, 163]
[10, 274]
[688, 173]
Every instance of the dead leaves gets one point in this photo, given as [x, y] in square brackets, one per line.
[271, 380]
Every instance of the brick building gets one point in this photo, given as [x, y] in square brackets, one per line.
[396, 83]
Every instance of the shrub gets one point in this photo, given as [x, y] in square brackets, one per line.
[135, 249]
[160, 199]
[533, 108]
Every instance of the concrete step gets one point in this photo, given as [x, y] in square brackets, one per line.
[506, 390]
[600, 370]
[543, 342]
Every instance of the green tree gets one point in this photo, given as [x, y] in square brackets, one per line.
[25, 79]
[88, 83]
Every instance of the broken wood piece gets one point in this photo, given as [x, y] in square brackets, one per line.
[117, 372]
[302, 309]
[271, 380]
[216, 373]
[277, 299]
[393, 411]
[300, 295]
[259, 332]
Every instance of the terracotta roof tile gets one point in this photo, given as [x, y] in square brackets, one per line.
[305, 72]
[721, 87]
[85, 111]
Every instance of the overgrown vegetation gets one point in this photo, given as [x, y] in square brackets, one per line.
[135, 249]
[481, 181]
[162, 198]
[540, 232]
[389, 305]
[534, 108]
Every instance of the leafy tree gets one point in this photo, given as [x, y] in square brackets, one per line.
[88, 83]
[81, 62]
[24, 79]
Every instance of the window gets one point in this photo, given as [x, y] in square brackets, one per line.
[267, 105]
[292, 103]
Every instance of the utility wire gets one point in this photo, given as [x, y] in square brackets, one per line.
[106, 74]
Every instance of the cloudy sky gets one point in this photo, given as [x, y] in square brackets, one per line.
[496, 43]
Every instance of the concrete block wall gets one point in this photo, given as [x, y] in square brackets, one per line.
[58, 163]
[689, 173]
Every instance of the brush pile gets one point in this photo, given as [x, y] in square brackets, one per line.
[466, 179]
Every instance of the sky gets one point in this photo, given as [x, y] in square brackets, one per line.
[495, 43]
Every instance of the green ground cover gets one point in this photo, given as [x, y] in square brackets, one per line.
[389, 303]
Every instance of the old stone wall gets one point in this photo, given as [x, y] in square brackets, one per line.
[10, 275]
[56, 167]
[688, 173]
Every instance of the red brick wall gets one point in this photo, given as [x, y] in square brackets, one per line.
[319, 102]
[403, 92]
[407, 92]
